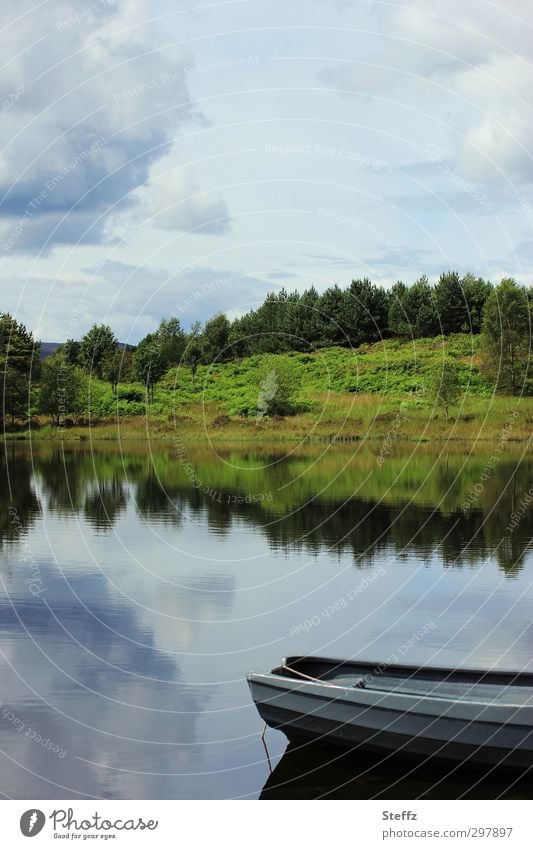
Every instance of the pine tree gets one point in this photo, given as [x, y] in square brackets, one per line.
[19, 364]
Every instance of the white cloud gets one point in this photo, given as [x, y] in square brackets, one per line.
[471, 58]
[132, 299]
[103, 93]
[175, 201]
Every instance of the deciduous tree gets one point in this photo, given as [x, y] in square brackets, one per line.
[149, 363]
[506, 336]
[98, 344]
[63, 388]
[445, 385]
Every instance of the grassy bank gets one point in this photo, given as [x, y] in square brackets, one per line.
[376, 392]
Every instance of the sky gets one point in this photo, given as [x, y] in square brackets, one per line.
[171, 157]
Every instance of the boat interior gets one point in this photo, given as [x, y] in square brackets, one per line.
[470, 685]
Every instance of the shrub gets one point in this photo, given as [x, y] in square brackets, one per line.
[130, 393]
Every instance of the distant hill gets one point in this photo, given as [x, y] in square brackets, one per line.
[49, 348]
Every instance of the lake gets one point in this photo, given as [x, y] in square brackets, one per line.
[139, 586]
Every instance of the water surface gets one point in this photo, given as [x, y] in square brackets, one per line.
[138, 587]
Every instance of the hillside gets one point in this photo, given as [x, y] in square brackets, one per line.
[391, 367]
[376, 391]
[48, 348]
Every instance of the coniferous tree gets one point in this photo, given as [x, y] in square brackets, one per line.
[215, 339]
[307, 320]
[476, 291]
[333, 309]
[420, 310]
[397, 314]
[451, 305]
[367, 308]
[19, 364]
[71, 349]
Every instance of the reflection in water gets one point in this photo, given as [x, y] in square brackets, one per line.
[420, 511]
[104, 503]
[19, 505]
[422, 506]
[135, 597]
[309, 772]
[91, 690]
[154, 501]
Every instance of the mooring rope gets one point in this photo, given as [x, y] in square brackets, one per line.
[303, 675]
[357, 683]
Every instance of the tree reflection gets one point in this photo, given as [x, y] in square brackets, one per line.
[19, 505]
[104, 502]
[450, 509]
[64, 476]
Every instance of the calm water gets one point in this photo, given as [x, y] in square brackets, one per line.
[138, 588]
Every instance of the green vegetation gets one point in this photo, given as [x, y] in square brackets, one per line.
[63, 387]
[149, 364]
[19, 354]
[507, 337]
[426, 500]
[248, 375]
[333, 394]
[97, 347]
[445, 386]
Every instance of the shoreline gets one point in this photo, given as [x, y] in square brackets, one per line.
[384, 431]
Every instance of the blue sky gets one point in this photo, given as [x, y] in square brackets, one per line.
[183, 158]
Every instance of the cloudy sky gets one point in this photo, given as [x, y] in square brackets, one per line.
[183, 157]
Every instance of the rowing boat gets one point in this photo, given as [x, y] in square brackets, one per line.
[460, 715]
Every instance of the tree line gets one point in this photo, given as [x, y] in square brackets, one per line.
[286, 321]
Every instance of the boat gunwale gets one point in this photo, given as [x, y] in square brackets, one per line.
[496, 676]
[418, 698]
[287, 676]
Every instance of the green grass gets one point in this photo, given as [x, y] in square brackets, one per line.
[376, 391]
